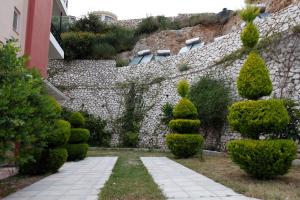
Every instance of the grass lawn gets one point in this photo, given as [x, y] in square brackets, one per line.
[131, 181]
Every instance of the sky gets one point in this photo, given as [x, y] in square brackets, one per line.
[133, 9]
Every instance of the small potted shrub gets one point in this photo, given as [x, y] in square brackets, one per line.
[185, 141]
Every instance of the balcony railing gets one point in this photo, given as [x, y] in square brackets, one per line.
[56, 31]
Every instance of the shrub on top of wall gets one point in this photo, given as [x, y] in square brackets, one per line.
[185, 141]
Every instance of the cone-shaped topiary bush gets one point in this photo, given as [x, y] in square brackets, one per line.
[261, 159]
[254, 81]
[78, 147]
[186, 141]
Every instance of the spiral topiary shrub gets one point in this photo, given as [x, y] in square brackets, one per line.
[77, 120]
[253, 81]
[250, 35]
[185, 142]
[184, 145]
[253, 118]
[77, 151]
[77, 147]
[60, 135]
[79, 135]
[263, 159]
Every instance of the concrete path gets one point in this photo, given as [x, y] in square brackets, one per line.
[179, 182]
[75, 181]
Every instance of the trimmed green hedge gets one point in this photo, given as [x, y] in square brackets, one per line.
[252, 118]
[77, 151]
[60, 135]
[77, 120]
[263, 159]
[57, 157]
[79, 135]
[184, 145]
[254, 81]
[185, 109]
[185, 125]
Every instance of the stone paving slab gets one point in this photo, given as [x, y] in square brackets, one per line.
[178, 182]
[75, 181]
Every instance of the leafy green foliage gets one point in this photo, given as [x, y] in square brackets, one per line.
[211, 98]
[79, 135]
[152, 24]
[130, 139]
[254, 81]
[183, 88]
[185, 109]
[185, 125]
[167, 110]
[263, 159]
[103, 51]
[77, 151]
[249, 13]
[99, 136]
[60, 135]
[57, 157]
[89, 23]
[77, 120]
[27, 113]
[184, 145]
[250, 36]
[292, 131]
[253, 118]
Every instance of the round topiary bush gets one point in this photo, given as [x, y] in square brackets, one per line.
[184, 145]
[185, 109]
[250, 35]
[77, 120]
[252, 118]
[263, 159]
[79, 135]
[77, 151]
[60, 134]
[184, 125]
[56, 158]
[254, 81]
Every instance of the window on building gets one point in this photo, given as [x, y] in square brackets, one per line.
[108, 19]
[16, 21]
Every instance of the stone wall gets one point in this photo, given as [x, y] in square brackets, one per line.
[93, 85]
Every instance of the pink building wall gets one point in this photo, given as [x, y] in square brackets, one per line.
[38, 33]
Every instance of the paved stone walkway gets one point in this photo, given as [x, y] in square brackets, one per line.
[75, 181]
[180, 183]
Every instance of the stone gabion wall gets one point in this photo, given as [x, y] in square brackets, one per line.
[93, 84]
